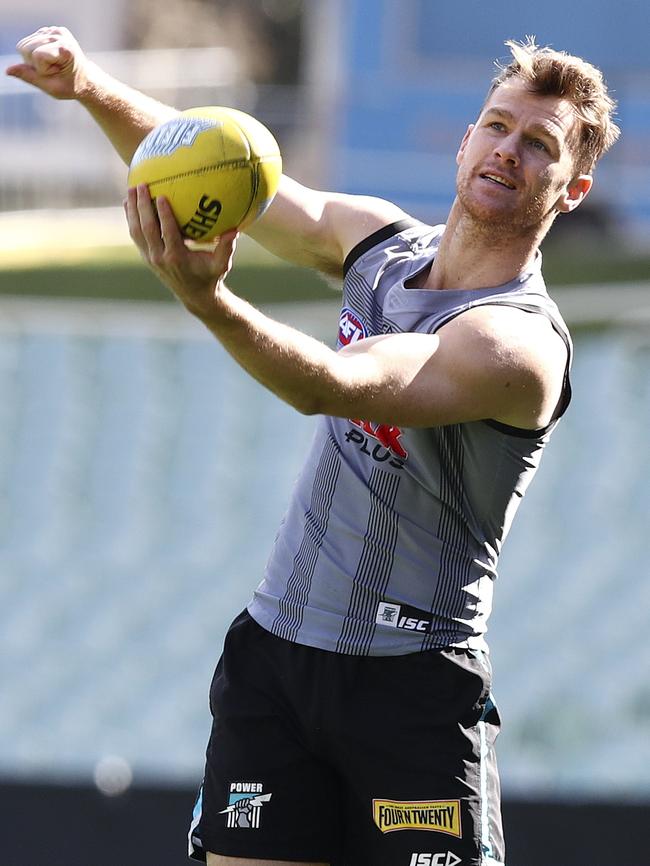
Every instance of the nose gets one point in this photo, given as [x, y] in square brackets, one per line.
[508, 150]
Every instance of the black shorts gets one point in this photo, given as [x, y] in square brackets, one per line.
[348, 760]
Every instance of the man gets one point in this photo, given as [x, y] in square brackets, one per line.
[353, 722]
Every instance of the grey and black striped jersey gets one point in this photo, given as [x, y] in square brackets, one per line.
[392, 535]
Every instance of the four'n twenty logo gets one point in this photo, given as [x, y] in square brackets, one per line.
[351, 330]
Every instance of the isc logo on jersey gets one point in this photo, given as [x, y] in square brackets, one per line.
[389, 614]
[351, 328]
[444, 859]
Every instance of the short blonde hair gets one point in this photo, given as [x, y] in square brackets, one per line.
[556, 73]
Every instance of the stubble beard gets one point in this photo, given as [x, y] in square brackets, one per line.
[500, 224]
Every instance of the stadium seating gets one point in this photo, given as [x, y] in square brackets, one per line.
[143, 478]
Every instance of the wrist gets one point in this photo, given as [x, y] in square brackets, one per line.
[88, 83]
[214, 308]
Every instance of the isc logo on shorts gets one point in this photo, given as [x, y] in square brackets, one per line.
[439, 816]
[245, 803]
[444, 859]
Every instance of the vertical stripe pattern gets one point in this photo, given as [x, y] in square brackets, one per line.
[455, 560]
[374, 567]
[448, 521]
[292, 605]
[362, 299]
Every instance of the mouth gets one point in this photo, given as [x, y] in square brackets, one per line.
[498, 179]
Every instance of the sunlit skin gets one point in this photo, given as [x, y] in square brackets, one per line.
[523, 139]
[494, 228]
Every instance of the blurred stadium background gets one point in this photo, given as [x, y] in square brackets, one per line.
[142, 475]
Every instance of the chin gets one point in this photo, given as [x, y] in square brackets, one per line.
[498, 217]
[489, 214]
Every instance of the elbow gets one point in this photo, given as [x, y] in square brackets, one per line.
[319, 401]
[309, 404]
[333, 392]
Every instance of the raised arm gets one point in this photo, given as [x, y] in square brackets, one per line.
[489, 362]
[304, 226]
[54, 62]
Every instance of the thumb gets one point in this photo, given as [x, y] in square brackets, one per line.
[224, 252]
[229, 238]
[22, 71]
[228, 243]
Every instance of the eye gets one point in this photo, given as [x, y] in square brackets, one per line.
[538, 145]
[496, 124]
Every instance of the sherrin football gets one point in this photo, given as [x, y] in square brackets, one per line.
[218, 167]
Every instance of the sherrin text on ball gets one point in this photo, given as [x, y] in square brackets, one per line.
[218, 167]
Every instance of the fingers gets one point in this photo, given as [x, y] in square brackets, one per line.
[171, 235]
[152, 226]
[195, 276]
[149, 223]
[133, 218]
[143, 223]
[154, 230]
[46, 48]
[52, 61]
[44, 36]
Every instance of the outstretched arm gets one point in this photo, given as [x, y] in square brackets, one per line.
[304, 226]
[54, 62]
[487, 363]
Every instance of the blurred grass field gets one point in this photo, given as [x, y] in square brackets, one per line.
[88, 254]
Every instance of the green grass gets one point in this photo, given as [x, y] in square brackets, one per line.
[123, 276]
[122, 280]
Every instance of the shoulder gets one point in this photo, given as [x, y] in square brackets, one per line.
[398, 240]
[512, 328]
[516, 354]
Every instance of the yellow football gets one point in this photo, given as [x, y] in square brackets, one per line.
[218, 167]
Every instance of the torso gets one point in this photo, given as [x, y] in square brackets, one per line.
[391, 540]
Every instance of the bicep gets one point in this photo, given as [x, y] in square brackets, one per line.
[465, 372]
[415, 380]
[318, 229]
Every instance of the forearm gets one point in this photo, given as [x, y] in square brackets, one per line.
[125, 115]
[299, 369]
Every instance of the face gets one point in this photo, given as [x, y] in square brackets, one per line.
[515, 165]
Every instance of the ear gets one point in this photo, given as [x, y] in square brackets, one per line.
[463, 144]
[575, 192]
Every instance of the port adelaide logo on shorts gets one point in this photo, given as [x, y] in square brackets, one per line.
[245, 803]
[439, 816]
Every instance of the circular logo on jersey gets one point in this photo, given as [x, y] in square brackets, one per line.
[351, 328]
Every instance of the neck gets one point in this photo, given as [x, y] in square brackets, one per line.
[474, 255]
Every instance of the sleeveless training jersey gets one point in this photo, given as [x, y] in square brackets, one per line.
[392, 535]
